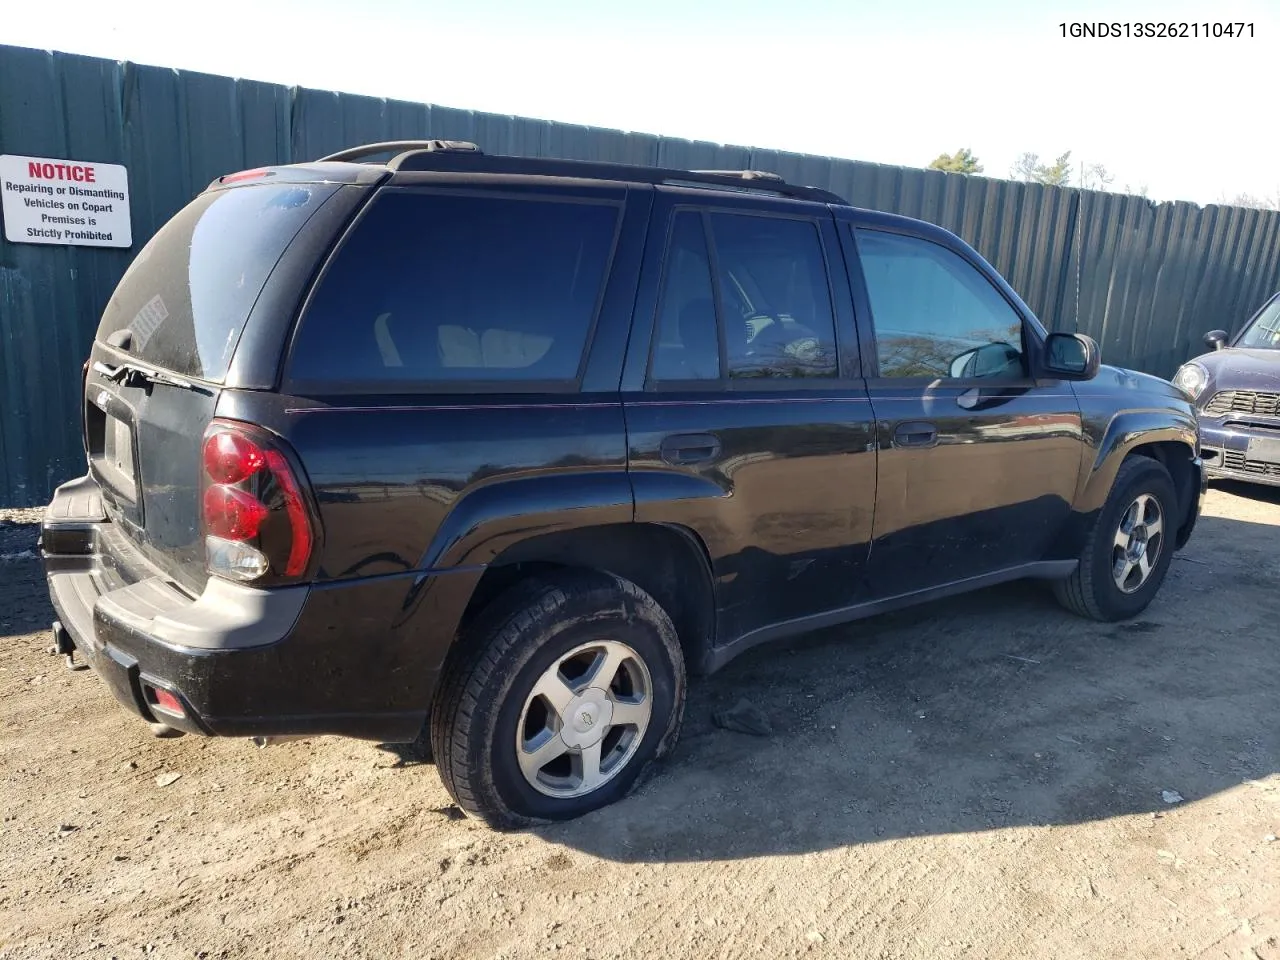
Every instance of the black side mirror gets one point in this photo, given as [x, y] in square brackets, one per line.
[1071, 356]
[1215, 339]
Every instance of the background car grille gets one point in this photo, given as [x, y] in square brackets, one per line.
[1244, 401]
[1236, 460]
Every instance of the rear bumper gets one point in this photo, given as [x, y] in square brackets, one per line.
[1225, 450]
[356, 658]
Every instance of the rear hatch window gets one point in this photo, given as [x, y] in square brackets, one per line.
[185, 298]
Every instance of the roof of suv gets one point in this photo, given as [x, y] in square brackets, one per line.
[455, 156]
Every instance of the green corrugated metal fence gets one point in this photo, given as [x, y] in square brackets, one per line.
[1146, 280]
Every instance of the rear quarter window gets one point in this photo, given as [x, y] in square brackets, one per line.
[186, 297]
[438, 288]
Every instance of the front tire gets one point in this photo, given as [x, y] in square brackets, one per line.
[564, 692]
[1130, 547]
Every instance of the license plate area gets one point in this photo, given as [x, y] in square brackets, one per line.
[109, 429]
[117, 449]
[1264, 449]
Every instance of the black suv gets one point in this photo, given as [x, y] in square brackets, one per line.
[489, 451]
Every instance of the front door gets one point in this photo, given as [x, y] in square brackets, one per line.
[747, 417]
[978, 460]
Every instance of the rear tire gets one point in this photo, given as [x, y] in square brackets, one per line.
[1129, 548]
[563, 693]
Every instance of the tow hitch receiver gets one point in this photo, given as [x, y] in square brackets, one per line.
[64, 646]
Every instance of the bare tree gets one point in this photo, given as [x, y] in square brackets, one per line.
[1024, 168]
[1251, 201]
[1029, 168]
[1095, 176]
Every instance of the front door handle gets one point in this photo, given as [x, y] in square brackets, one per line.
[915, 433]
[686, 449]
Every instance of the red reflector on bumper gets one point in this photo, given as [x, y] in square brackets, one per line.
[166, 702]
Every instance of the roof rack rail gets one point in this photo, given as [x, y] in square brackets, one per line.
[426, 159]
[401, 146]
[744, 174]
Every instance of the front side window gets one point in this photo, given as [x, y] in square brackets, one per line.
[775, 318]
[935, 315]
[436, 287]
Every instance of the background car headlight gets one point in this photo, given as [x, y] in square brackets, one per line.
[1191, 378]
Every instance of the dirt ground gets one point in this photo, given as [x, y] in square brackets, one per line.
[978, 778]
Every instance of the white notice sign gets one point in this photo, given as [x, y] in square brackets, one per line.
[65, 201]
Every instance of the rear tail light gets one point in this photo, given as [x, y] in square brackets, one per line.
[257, 521]
[235, 561]
[232, 513]
[231, 457]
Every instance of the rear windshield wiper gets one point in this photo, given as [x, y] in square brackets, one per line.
[134, 374]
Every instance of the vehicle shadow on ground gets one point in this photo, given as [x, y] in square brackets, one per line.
[994, 710]
[26, 598]
[983, 712]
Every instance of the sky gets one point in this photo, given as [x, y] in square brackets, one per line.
[892, 82]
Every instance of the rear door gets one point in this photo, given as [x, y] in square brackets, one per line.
[748, 421]
[978, 458]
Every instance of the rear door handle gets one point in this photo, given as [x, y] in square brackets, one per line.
[686, 449]
[915, 433]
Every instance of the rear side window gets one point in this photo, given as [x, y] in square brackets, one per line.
[187, 295]
[775, 297]
[688, 345]
[435, 287]
[775, 318]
